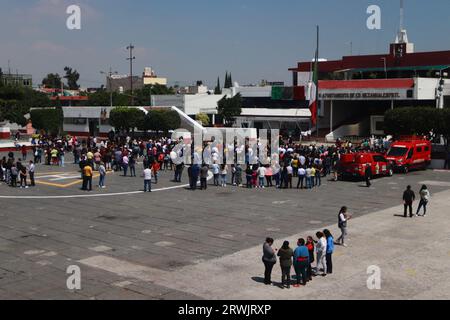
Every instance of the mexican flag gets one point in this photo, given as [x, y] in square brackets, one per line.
[313, 90]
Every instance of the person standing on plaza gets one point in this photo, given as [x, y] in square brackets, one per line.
[24, 152]
[125, 162]
[330, 250]
[223, 175]
[290, 174]
[238, 175]
[368, 175]
[102, 172]
[31, 169]
[313, 175]
[321, 252]
[308, 175]
[23, 177]
[54, 156]
[156, 167]
[261, 176]
[195, 172]
[269, 174]
[61, 156]
[204, 177]
[343, 218]
[248, 176]
[310, 245]
[97, 159]
[13, 174]
[294, 165]
[408, 199]
[132, 165]
[269, 259]
[285, 254]
[87, 178]
[216, 173]
[318, 175]
[424, 199]
[301, 177]
[301, 262]
[147, 179]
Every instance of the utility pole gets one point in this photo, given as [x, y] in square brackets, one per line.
[131, 58]
[109, 80]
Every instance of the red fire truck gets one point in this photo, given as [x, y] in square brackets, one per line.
[410, 153]
[354, 165]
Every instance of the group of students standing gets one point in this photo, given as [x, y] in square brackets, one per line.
[302, 258]
[12, 171]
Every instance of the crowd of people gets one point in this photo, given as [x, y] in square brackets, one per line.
[297, 166]
[15, 172]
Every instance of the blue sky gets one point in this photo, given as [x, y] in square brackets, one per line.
[201, 39]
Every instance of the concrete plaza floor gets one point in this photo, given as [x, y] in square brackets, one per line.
[180, 244]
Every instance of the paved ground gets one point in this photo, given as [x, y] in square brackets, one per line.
[179, 244]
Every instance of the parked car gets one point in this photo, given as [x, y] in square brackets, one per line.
[354, 165]
[410, 153]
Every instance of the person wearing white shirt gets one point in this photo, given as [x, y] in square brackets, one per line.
[302, 160]
[147, 180]
[223, 175]
[216, 171]
[321, 252]
[343, 218]
[301, 177]
[31, 169]
[261, 176]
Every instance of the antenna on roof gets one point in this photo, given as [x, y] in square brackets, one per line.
[402, 15]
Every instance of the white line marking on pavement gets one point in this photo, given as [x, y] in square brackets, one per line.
[98, 195]
[124, 268]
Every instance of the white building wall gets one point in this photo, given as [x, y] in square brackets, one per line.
[194, 104]
[426, 88]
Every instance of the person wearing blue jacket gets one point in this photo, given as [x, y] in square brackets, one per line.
[301, 262]
[330, 250]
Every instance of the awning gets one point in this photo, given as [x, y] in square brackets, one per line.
[414, 68]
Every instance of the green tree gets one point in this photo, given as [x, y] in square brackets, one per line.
[227, 81]
[203, 118]
[16, 101]
[230, 108]
[49, 120]
[102, 98]
[142, 96]
[218, 89]
[124, 118]
[72, 77]
[53, 81]
[413, 120]
[161, 120]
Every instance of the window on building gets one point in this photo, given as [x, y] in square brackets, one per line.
[75, 121]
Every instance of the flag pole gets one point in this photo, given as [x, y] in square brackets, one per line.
[317, 84]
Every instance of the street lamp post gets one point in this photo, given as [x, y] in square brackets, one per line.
[109, 77]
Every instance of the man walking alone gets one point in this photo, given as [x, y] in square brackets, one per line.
[408, 199]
